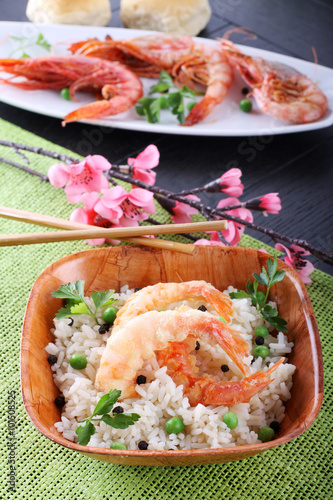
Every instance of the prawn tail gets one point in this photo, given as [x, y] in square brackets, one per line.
[234, 346]
[99, 109]
[231, 393]
[220, 302]
[200, 111]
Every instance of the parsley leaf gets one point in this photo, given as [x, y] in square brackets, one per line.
[103, 408]
[74, 293]
[266, 278]
[102, 299]
[84, 432]
[106, 403]
[121, 420]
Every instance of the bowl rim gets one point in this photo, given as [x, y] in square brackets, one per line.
[224, 451]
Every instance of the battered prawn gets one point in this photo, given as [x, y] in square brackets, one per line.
[128, 347]
[205, 390]
[161, 295]
[279, 90]
[145, 55]
[209, 67]
[117, 86]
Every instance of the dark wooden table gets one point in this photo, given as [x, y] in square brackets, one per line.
[298, 166]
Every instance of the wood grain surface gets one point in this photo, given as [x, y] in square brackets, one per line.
[298, 166]
[114, 267]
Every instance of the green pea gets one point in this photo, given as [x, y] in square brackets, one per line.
[174, 425]
[78, 361]
[266, 434]
[118, 446]
[262, 331]
[110, 314]
[221, 318]
[261, 350]
[65, 94]
[245, 105]
[230, 419]
[261, 297]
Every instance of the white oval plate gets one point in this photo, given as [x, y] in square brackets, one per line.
[226, 119]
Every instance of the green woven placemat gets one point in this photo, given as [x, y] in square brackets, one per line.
[298, 470]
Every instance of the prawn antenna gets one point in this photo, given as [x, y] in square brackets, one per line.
[243, 30]
[315, 60]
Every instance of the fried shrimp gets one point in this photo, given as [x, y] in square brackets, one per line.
[162, 295]
[143, 335]
[279, 90]
[205, 390]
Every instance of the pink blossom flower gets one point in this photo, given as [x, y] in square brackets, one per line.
[117, 205]
[88, 215]
[271, 203]
[84, 177]
[214, 241]
[182, 212]
[235, 230]
[143, 163]
[230, 182]
[295, 259]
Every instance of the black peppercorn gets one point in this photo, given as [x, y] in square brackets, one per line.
[245, 91]
[225, 368]
[60, 401]
[253, 360]
[71, 321]
[259, 340]
[137, 289]
[143, 445]
[275, 426]
[202, 308]
[197, 345]
[52, 359]
[104, 328]
[141, 379]
[118, 409]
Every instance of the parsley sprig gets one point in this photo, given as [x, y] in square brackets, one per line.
[77, 304]
[267, 278]
[24, 43]
[102, 409]
[151, 107]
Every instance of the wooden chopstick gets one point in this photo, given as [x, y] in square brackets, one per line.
[57, 222]
[80, 231]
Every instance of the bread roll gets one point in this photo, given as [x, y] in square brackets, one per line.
[182, 17]
[89, 12]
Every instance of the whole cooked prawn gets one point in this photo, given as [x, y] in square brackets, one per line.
[145, 55]
[279, 90]
[117, 86]
[161, 295]
[205, 390]
[209, 67]
[136, 341]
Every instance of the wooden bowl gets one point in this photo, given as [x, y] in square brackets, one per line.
[112, 268]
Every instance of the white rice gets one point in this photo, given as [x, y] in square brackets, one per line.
[160, 399]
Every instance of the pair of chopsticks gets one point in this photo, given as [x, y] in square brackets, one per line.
[78, 231]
